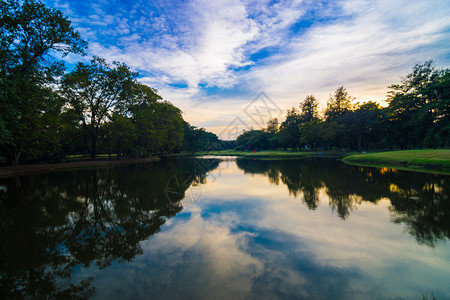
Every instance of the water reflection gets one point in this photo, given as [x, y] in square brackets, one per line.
[225, 229]
[51, 224]
[420, 201]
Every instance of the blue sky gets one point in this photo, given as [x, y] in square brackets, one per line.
[213, 58]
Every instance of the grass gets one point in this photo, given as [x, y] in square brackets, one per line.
[414, 160]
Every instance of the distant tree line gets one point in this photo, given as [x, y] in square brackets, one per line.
[417, 116]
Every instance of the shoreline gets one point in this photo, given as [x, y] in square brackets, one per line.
[267, 154]
[10, 171]
[425, 161]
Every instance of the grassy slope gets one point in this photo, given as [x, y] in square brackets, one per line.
[416, 160]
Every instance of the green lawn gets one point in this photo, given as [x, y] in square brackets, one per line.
[409, 159]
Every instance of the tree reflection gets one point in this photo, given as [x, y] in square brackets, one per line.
[420, 201]
[423, 208]
[53, 223]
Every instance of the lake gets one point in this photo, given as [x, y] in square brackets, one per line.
[226, 228]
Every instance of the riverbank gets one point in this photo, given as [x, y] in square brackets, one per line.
[431, 161]
[272, 154]
[8, 171]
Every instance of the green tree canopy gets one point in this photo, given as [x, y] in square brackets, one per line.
[418, 106]
[338, 105]
[309, 109]
[97, 89]
[29, 34]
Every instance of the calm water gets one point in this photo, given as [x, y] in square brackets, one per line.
[226, 229]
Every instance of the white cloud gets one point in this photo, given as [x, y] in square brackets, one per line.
[369, 48]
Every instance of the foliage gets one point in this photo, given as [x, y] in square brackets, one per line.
[198, 139]
[253, 140]
[95, 90]
[289, 135]
[309, 109]
[418, 107]
[273, 126]
[30, 33]
[338, 105]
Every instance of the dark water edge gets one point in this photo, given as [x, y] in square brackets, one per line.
[239, 228]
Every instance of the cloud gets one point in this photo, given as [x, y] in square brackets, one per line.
[367, 46]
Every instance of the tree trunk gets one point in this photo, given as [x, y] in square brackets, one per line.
[119, 149]
[359, 142]
[93, 146]
[16, 156]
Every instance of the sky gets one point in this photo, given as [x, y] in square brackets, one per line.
[234, 64]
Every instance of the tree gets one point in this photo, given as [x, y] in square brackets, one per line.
[273, 129]
[30, 33]
[289, 132]
[159, 128]
[363, 124]
[97, 89]
[121, 134]
[338, 105]
[310, 134]
[272, 126]
[416, 105]
[253, 140]
[198, 139]
[308, 109]
[441, 107]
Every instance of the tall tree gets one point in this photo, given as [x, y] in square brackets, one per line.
[159, 128]
[338, 105]
[309, 109]
[121, 134]
[97, 89]
[415, 103]
[440, 92]
[362, 124]
[30, 33]
[289, 132]
[272, 126]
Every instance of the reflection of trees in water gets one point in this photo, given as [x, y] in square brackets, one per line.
[52, 223]
[293, 178]
[420, 201]
[425, 209]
